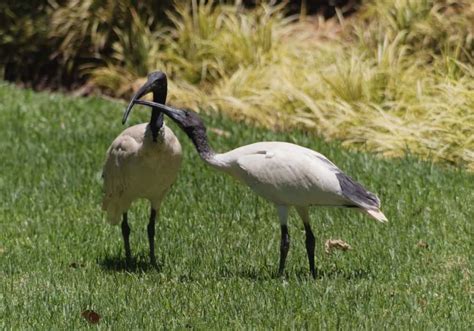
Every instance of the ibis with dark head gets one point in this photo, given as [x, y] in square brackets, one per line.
[285, 174]
[142, 162]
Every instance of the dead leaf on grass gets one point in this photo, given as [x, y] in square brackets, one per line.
[422, 244]
[332, 244]
[91, 316]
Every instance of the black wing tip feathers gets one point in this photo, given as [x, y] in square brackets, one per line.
[356, 192]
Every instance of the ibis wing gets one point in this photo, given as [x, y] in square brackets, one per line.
[115, 173]
[265, 167]
[351, 189]
[290, 178]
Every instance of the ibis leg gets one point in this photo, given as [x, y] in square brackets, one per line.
[285, 238]
[126, 238]
[310, 248]
[284, 248]
[151, 236]
[310, 242]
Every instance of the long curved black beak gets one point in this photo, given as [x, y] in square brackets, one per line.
[174, 113]
[146, 88]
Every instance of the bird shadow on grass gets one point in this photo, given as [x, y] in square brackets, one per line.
[118, 263]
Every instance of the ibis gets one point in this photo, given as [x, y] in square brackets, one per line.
[285, 174]
[142, 162]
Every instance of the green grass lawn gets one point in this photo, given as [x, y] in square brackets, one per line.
[217, 244]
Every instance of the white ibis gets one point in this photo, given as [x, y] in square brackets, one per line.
[142, 162]
[283, 173]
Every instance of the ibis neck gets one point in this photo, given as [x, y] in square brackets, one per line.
[156, 120]
[198, 136]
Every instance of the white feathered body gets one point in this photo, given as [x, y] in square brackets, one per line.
[136, 167]
[291, 175]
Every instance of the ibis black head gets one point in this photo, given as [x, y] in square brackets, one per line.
[187, 120]
[156, 83]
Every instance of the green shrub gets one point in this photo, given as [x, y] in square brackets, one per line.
[58, 41]
[22, 38]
